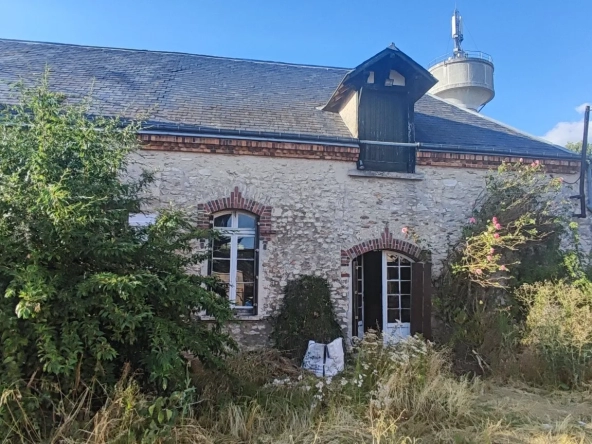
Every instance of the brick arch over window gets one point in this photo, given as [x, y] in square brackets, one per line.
[237, 201]
[385, 242]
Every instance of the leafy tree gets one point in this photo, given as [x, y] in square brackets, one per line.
[84, 293]
[576, 147]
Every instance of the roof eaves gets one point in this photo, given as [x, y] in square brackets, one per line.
[152, 127]
[496, 151]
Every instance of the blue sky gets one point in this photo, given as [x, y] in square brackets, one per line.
[542, 49]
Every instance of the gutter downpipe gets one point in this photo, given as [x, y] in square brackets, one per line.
[589, 179]
[583, 170]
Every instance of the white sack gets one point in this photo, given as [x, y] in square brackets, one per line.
[324, 359]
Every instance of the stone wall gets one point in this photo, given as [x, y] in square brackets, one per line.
[317, 210]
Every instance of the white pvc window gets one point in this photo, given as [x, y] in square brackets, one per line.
[234, 256]
[398, 288]
[396, 303]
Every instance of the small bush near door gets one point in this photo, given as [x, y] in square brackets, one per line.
[306, 314]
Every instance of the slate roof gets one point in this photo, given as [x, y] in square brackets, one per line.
[214, 95]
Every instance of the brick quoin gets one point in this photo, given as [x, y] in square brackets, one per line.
[236, 201]
[385, 242]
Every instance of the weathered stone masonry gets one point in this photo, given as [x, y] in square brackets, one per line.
[315, 216]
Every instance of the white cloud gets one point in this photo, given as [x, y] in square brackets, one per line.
[565, 132]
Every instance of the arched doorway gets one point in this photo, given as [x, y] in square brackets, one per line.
[391, 293]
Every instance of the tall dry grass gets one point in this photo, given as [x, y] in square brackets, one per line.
[400, 393]
[558, 333]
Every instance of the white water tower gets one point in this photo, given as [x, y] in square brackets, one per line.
[465, 78]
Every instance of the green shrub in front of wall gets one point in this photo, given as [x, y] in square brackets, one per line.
[306, 314]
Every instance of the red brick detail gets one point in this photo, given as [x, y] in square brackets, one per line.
[479, 161]
[211, 145]
[385, 242]
[236, 201]
[248, 147]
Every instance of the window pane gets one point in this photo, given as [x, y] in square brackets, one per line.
[406, 301]
[393, 301]
[225, 220]
[393, 316]
[221, 247]
[392, 287]
[360, 286]
[405, 261]
[246, 221]
[220, 266]
[406, 273]
[392, 259]
[405, 315]
[392, 273]
[245, 271]
[405, 287]
[245, 295]
[246, 247]
[221, 269]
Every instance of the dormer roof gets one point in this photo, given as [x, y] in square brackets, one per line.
[418, 79]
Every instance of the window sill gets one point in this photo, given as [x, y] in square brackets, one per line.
[385, 175]
[245, 317]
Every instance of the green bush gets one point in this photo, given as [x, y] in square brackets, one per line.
[83, 293]
[306, 314]
[512, 238]
[558, 332]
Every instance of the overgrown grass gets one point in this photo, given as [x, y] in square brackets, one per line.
[558, 332]
[401, 393]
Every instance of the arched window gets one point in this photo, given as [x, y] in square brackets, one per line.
[234, 257]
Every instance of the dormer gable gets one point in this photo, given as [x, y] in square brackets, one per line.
[390, 67]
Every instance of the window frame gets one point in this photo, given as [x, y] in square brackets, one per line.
[234, 233]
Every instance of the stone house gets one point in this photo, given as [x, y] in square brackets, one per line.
[304, 169]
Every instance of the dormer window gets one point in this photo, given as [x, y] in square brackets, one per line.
[376, 101]
[383, 124]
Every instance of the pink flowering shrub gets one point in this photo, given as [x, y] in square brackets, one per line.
[512, 237]
[516, 210]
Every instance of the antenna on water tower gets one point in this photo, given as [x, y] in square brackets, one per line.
[457, 32]
[465, 78]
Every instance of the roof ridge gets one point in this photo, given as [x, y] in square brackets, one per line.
[504, 125]
[237, 59]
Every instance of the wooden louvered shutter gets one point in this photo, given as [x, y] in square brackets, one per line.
[421, 299]
[355, 298]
